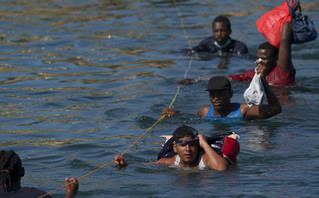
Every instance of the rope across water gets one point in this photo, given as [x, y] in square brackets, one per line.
[161, 118]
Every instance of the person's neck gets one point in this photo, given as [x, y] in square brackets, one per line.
[224, 112]
[223, 45]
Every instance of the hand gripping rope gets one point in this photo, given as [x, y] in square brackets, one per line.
[162, 117]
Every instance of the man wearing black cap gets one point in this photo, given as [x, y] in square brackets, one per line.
[220, 93]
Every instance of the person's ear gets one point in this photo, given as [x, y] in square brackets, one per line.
[174, 147]
[22, 171]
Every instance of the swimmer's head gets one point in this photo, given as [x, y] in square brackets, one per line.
[218, 83]
[267, 46]
[11, 169]
[184, 131]
[267, 56]
[221, 30]
[222, 19]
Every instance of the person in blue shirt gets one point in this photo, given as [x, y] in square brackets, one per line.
[220, 94]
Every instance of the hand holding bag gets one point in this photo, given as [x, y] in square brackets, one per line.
[254, 94]
[303, 28]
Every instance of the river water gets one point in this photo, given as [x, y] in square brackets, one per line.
[82, 80]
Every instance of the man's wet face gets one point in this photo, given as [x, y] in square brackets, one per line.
[221, 32]
[187, 149]
[220, 98]
[264, 58]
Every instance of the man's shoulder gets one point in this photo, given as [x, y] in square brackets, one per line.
[243, 106]
[280, 69]
[239, 45]
[237, 42]
[32, 191]
[203, 110]
[24, 192]
[205, 107]
[167, 161]
[206, 45]
[280, 77]
[243, 109]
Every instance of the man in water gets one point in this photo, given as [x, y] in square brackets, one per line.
[11, 171]
[279, 70]
[221, 43]
[278, 64]
[187, 145]
[220, 94]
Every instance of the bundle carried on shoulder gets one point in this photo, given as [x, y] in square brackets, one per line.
[270, 24]
[224, 145]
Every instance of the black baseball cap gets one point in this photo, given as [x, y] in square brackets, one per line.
[218, 83]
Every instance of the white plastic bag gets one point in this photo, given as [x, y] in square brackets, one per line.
[254, 94]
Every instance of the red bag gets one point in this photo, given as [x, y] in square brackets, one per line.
[270, 24]
[231, 149]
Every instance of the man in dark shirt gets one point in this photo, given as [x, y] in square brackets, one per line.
[221, 43]
[11, 171]
[277, 63]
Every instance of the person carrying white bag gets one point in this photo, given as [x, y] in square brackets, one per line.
[256, 91]
[254, 94]
[221, 107]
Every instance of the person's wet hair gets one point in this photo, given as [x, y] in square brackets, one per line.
[11, 169]
[222, 18]
[184, 131]
[268, 46]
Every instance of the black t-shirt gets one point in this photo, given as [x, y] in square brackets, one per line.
[234, 47]
[24, 192]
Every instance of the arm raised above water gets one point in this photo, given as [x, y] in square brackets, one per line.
[210, 157]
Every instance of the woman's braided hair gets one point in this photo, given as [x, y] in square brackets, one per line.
[10, 169]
